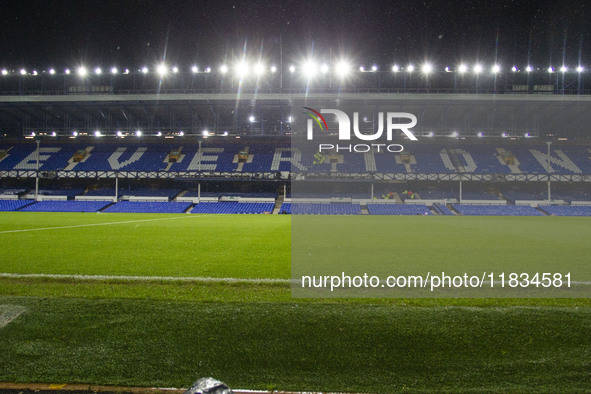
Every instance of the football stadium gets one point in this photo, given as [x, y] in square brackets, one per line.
[296, 224]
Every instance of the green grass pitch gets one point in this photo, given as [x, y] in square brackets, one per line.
[254, 335]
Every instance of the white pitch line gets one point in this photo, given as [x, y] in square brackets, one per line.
[145, 278]
[186, 216]
[10, 312]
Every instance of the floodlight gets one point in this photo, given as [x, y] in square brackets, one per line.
[205, 133]
[580, 69]
[53, 134]
[374, 68]
[431, 134]
[34, 72]
[4, 72]
[144, 70]
[324, 68]
[427, 68]
[251, 118]
[342, 68]
[292, 69]
[75, 133]
[410, 68]
[529, 69]
[289, 119]
[23, 71]
[97, 133]
[138, 133]
[162, 70]
[273, 69]
[550, 69]
[514, 69]
[462, 68]
[259, 69]
[114, 70]
[67, 71]
[241, 69]
[395, 68]
[496, 69]
[119, 134]
[98, 71]
[126, 71]
[82, 71]
[477, 68]
[51, 71]
[362, 69]
[159, 134]
[224, 69]
[480, 134]
[225, 133]
[208, 70]
[563, 69]
[181, 133]
[455, 134]
[195, 69]
[175, 69]
[309, 69]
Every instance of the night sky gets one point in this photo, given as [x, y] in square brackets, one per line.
[51, 33]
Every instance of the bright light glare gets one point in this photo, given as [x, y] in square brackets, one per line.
[362, 69]
[205, 133]
[251, 119]
[51, 71]
[374, 68]
[395, 68]
[342, 68]
[145, 70]
[4, 72]
[97, 133]
[292, 69]
[119, 134]
[427, 68]
[529, 69]
[23, 71]
[324, 68]
[309, 69]
[563, 69]
[223, 69]
[477, 68]
[114, 70]
[138, 133]
[410, 68]
[82, 71]
[259, 69]
[194, 69]
[241, 69]
[175, 69]
[580, 69]
[462, 68]
[496, 69]
[162, 70]
[98, 71]
[514, 68]
[273, 69]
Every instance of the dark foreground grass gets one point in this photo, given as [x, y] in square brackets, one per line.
[299, 346]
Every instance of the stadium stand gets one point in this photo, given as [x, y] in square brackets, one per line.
[397, 209]
[565, 210]
[14, 205]
[148, 207]
[442, 209]
[65, 206]
[496, 210]
[233, 207]
[325, 209]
